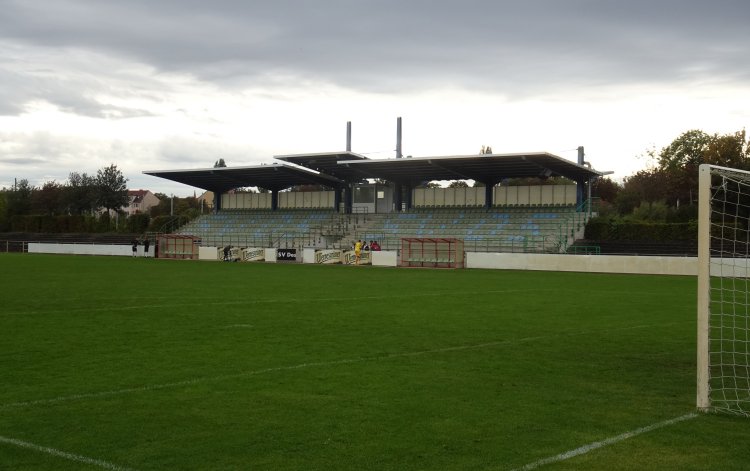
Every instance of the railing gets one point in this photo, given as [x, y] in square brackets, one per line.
[8, 246]
[531, 244]
[584, 250]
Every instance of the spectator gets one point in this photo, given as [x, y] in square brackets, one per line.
[146, 244]
[135, 247]
[357, 251]
[374, 246]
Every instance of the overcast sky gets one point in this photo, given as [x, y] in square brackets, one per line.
[178, 84]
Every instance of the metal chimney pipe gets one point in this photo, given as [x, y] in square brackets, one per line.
[398, 137]
[348, 136]
[581, 155]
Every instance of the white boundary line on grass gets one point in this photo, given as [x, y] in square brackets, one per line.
[205, 379]
[606, 442]
[218, 302]
[64, 454]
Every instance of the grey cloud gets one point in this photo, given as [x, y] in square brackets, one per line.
[388, 45]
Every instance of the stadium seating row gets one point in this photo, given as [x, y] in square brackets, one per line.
[502, 229]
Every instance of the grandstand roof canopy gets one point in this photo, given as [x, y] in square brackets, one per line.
[333, 169]
[328, 163]
[272, 177]
[484, 168]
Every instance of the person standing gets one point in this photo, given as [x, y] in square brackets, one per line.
[357, 251]
[146, 244]
[135, 246]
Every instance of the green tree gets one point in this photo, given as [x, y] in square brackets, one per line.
[645, 186]
[19, 199]
[605, 189]
[729, 150]
[458, 184]
[680, 160]
[4, 222]
[48, 199]
[685, 151]
[220, 163]
[111, 188]
[79, 194]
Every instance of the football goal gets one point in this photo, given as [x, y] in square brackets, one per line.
[724, 290]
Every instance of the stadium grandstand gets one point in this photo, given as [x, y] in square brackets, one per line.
[387, 200]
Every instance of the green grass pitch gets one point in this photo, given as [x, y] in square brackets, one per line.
[141, 364]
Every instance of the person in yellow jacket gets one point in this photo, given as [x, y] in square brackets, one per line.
[357, 251]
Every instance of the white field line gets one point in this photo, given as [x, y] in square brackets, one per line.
[248, 302]
[63, 454]
[205, 379]
[606, 442]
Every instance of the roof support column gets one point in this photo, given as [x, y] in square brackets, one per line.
[397, 197]
[408, 190]
[274, 200]
[581, 184]
[217, 201]
[348, 198]
[337, 199]
[489, 194]
[580, 192]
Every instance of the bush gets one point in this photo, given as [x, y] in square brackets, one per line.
[610, 229]
[137, 223]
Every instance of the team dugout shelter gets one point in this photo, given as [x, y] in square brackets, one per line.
[345, 173]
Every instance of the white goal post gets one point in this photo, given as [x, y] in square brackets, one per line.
[723, 290]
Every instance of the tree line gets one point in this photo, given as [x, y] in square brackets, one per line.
[667, 190]
[660, 201]
[84, 203]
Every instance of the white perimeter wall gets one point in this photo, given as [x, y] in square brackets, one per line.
[87, 249]
[739, 268]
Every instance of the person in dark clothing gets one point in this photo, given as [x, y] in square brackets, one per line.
[135, 247]
[146, 244]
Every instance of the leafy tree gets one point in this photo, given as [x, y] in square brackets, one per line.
[686, 151]
[4, 223]
[606, 189]
[179, 206]
[729, 150]
[48, 199]
[680, 160]
[458, 184]
[19, 199]
[79, 195]
[645, 186]
[111, 188]
[220, 163]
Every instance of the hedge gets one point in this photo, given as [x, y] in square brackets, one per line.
[603, 229]
[137, 223]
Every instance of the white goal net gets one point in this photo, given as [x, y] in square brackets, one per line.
[724, 290]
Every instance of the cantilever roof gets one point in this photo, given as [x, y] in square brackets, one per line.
[485, 168]
[272, 177]
[334, 169]
[328, 163]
